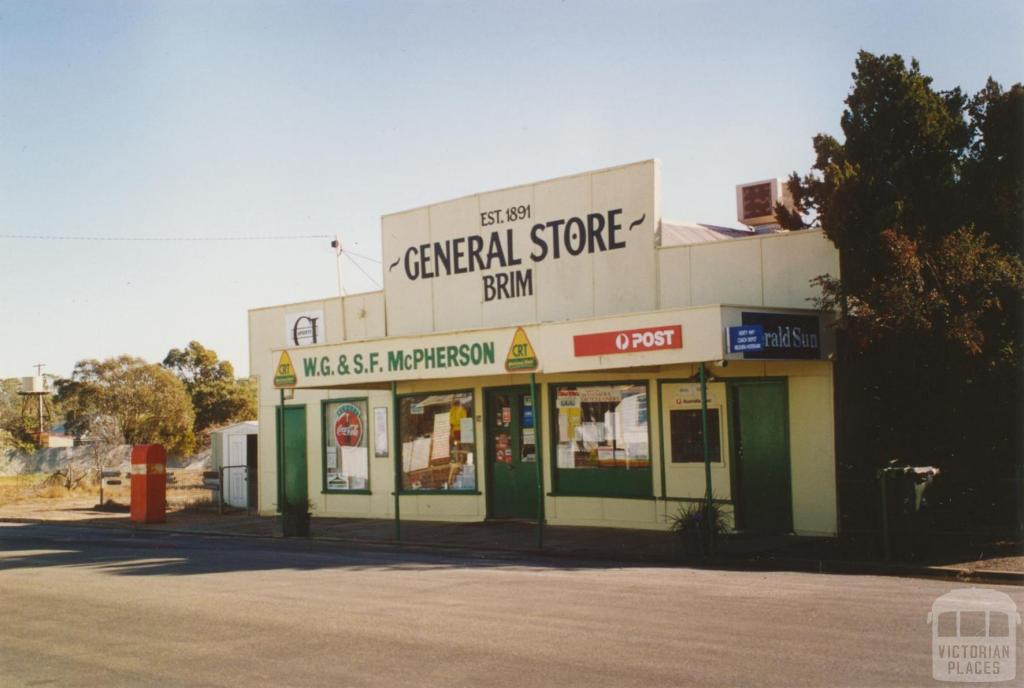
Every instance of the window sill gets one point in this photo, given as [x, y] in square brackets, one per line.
[601, 496]
[412, 493]
[693, 499]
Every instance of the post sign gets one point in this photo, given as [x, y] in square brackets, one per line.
[786, 336]
[628, 341]
[745, 338]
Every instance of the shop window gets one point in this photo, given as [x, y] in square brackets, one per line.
[601, 440]
[437, 442]
[687, 439]
[346, 457]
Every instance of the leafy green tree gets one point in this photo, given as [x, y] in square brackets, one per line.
[125, 399]
[923, 200]
[217, 396]
[15, 428]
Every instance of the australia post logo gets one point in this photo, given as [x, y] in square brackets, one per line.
[628, 341]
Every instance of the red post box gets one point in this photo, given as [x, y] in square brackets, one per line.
[149, 483]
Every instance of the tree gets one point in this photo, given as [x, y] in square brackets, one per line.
[128, 400]
[217, 396]
[15, 432]
[923, 199]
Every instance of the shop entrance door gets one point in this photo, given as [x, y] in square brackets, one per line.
[293, 492]
[511, 452]
[760, 433]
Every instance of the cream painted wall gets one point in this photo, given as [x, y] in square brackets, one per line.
[687, 479]
[770, 270]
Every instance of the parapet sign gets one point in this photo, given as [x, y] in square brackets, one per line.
[567, 248]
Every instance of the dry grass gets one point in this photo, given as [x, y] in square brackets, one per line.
[14, 488]
[33, 497]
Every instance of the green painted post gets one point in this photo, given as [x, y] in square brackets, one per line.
[539, 448]
[280, 458]
[397, 452]
[707, 456]
[661, 445]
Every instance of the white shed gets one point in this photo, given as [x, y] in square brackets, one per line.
[233, 447]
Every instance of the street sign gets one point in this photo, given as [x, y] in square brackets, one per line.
[284, 374]
[746, 338]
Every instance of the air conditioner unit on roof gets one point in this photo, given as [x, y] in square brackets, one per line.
[755, 201]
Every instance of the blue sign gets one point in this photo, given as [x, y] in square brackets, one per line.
[746, 338]
[786, 336]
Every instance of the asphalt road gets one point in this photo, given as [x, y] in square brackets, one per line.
[91, 606]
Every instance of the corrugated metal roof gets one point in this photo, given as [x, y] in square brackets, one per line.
[683, 233]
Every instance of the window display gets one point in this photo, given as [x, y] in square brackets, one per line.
[437, 442]
[602, 429]
[346, 458]
[687, 439]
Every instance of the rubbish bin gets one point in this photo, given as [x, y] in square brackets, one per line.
[904, 510]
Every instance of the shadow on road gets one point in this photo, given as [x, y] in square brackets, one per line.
[154, 553]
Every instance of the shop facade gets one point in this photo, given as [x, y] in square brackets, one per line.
[536, 351]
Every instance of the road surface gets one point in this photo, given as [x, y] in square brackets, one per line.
[96, 606]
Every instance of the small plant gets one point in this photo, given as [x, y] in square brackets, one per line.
[689, 526]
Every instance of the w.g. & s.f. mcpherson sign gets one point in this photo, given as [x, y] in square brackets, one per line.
[404, 358]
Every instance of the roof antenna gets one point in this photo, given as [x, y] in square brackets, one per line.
[336, 245]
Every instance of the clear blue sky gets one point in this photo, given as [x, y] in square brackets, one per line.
[228, 118]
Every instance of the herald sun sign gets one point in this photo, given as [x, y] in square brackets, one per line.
[628, 341]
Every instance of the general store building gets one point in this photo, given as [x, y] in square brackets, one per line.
[537, 349]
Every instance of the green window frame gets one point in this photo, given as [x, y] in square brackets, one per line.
[591, 479]
[436, 472]
[328, 441]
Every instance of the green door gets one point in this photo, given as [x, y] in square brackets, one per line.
[292, 490]
[761, 456]
[511, 452]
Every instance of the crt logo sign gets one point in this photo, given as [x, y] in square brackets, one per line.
[628, 341]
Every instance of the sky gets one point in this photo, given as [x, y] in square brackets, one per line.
[185, 119]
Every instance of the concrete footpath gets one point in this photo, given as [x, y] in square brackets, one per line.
[777, 552]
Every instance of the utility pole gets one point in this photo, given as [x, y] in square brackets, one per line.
[39, 412]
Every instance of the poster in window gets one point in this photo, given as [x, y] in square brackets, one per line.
[380, 431]
[345, 454]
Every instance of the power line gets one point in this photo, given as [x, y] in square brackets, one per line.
[41, 237]
[358, 255]
[375, 282]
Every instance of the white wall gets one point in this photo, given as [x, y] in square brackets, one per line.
[622, 280]
[771, 270]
